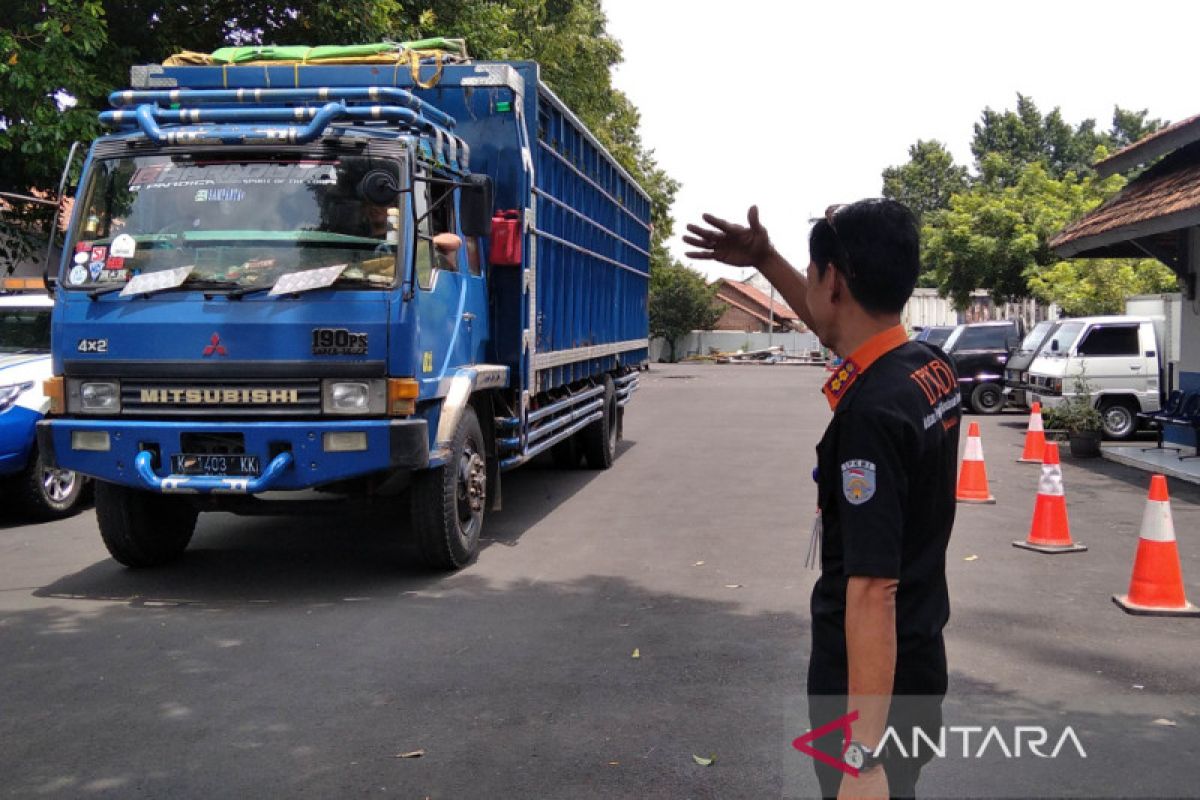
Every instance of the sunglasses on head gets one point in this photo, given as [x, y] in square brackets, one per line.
[831, 214]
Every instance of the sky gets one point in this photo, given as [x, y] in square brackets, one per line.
[798, 105]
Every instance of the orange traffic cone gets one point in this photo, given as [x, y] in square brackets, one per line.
[1156, 588]
[1050, 532]
[972, 479]
[1035, 437]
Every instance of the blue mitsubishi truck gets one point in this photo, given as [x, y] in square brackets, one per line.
[352, 278]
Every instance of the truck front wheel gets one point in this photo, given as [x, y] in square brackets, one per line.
[143, 529]
[448, 501]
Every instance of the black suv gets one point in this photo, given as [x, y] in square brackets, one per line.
[934, 334]
[979, 351]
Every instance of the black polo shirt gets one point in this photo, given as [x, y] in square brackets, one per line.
[886, 470]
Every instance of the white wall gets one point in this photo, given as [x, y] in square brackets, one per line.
[925, 308]
[702, 342]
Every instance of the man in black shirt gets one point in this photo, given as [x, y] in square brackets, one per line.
[885, 486]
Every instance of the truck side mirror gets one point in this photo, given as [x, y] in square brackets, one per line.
[1054, 346]
[475, 206]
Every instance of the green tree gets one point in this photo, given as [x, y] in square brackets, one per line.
[996, 236]
[1100, 286]
[680, 302]
[52, 48]
[929, 179]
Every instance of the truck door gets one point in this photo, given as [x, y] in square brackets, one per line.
[447, 318]
[1111, 357]
[475, 317]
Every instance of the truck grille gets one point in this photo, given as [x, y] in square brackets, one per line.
[227, 398]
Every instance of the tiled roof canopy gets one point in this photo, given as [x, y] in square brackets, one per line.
[783, 312]
[1148, 217]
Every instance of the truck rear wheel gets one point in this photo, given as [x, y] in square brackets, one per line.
[599, 440]
[448, 502]
[143, 529]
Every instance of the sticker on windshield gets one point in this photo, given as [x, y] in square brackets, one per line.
[79, 274]
[95, 268]
[124, 246]
[114, 262]
[81, 258]
[224, 194]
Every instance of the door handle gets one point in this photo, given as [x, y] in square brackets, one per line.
[1136, 366]
[469, 317]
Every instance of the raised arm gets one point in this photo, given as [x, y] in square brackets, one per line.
[750, 246]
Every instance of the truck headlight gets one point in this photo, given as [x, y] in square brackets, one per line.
[353, 397]
[10, 393]
[100, 398]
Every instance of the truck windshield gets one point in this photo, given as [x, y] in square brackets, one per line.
[1035, 337]
[1064, 337]
[238, 221]
[24, 330]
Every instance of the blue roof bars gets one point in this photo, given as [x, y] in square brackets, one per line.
[372, 94]
[240, 127]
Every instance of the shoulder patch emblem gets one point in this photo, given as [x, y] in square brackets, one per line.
[858, 481]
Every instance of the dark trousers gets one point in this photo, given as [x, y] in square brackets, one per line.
[903, 769]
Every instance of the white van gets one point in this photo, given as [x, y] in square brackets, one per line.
[1120, 357]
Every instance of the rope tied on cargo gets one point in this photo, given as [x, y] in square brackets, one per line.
[414, 57]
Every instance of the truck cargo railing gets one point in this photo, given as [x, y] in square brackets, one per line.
[203, 97]
[626, 386]
[551, 424]
[203, 122]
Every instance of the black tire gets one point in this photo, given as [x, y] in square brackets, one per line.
[448, 502]
[567, 453]
[143, 529]
[599, 440]
[987, 398]
[46, 493]
[1120, 418]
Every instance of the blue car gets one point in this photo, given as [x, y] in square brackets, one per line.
[26, 483]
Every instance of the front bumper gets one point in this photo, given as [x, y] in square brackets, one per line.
[1045, 400]
[391, 444]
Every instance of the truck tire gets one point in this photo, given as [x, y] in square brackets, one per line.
[1120, 418]
[143, 529]
[46, 493]
[987, 398]
[599, 440]
[566, 454]
[448, 502]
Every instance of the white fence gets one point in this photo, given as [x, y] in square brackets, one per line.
[704, 342]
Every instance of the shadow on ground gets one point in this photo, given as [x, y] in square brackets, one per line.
[304, 559]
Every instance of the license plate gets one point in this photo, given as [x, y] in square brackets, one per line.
[185, 464]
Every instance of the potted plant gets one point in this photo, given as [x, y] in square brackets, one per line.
[1081, 420]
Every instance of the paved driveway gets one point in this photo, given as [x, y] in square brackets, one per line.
[299, 656]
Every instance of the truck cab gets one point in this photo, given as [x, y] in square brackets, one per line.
[1114, 358]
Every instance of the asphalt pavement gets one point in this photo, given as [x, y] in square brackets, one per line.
[616, 625]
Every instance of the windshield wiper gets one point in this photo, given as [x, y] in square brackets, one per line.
[187, 286]
[242, 291]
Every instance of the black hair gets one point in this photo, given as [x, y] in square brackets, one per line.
[876, 247]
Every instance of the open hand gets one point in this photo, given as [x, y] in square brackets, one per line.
[730, 243]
